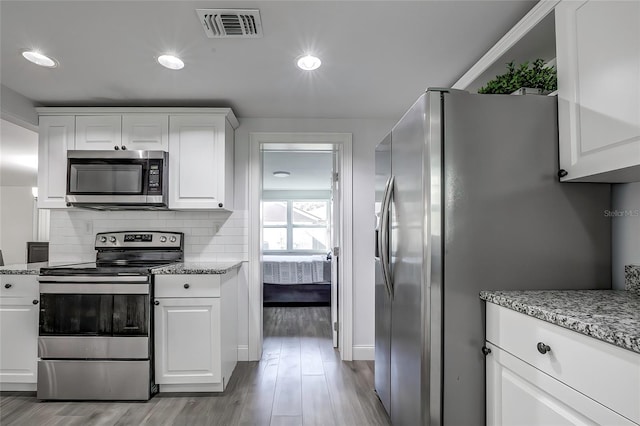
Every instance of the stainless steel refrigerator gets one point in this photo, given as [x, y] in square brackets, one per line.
[468, 198]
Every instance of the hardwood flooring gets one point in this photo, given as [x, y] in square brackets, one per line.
[300, 380]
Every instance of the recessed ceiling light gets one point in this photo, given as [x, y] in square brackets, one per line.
[309, 63]
[171, 62]
[39, 59]
[281, 174]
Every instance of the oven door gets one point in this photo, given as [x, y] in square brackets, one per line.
[100, 320]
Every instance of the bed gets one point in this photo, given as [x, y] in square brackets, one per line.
[290, 280]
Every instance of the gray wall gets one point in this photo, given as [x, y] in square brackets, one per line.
[625, 244]
[18, 109]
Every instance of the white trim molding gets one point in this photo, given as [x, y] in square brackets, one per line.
[364, 352]
[343, 143]
[243, 352]
[519, 30]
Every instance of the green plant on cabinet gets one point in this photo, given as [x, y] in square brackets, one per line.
[536, 76]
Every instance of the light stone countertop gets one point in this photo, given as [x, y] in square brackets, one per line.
[23, 268]
[612, 316]
[197, 268]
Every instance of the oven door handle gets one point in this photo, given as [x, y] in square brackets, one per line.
[97, 288]
[94, 279]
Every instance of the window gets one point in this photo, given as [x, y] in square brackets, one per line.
[295, 226]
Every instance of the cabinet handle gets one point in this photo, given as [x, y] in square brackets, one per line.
[7, 286]
[220, 205]
[116, 147]
[186, 286]
[124, 148]
[156, 302]
[35, 301]
[486, 351]
[543, 349]
[562, 173]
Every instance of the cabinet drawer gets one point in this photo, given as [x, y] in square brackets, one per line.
[19, 286]
[187, 285]
[599, 370]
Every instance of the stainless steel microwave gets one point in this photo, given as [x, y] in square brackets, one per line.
[118, 180]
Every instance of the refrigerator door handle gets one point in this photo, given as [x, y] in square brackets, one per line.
[384, 237]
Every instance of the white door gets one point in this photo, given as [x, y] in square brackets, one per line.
[99, 132]
[187, 333]
[335, 239]
[145, 132]
[19, 338]
[519, 394]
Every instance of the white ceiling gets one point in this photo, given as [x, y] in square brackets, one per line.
[18, 155]
[378, 56]
[310, 170]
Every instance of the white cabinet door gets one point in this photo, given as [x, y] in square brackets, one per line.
[145, 132]
[98, 132]
[56, 135]
[598, 62]
[519, 394]
[187, 334]
[18, 341]
[200, 169]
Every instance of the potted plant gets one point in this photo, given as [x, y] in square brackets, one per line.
[524, 79]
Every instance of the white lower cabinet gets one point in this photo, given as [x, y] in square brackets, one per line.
[578, 381]
[18, 332]
[195, 331]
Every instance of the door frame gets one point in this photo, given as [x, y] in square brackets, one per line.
[343, 143]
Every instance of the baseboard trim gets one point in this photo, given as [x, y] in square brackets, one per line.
[243, 352]
[364, 352]
[18, 387]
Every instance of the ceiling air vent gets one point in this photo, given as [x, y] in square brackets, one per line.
[225, 23]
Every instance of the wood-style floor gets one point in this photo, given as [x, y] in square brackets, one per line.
[300, 380]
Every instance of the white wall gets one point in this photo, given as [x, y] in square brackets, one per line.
[17, 109]
[625, 230]
[367, 133]
[16, 222]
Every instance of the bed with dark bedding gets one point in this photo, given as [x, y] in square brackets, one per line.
[296, 280]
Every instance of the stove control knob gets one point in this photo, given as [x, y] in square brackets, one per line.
[112, 239]
[163, 239]
[172, 239]
[103, 239]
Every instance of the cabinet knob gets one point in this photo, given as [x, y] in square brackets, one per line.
[186, 286]
[8, 285]
[116, 147]
[220, 205]
[562, 173]
[542, 348]
[156, 302]
[486, 351]
[124, 148]
[35, 301]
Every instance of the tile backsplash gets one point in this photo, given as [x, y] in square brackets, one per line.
[632, 277]
[208, 236]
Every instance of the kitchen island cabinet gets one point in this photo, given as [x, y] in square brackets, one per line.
[562, 357]
[195, 328]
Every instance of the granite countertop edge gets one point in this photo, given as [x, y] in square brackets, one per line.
[185, 268]
[23, 268]
[600, 331]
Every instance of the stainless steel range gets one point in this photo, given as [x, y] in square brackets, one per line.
[96, 320]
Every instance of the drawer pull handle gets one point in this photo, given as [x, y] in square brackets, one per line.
[486, 351]
[156, 302]
[35, 301]
[543, 349]
[186, 286]
[7, 286]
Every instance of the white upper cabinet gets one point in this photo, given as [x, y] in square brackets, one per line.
[55, 136]
[98, 132]
[598, 62]
[200, 162]
[145, 132]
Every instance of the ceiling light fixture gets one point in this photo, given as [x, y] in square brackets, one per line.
[281, 174]
[171, 62]
[309, 63]
[39, 59]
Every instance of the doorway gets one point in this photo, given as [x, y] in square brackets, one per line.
[300, 236]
